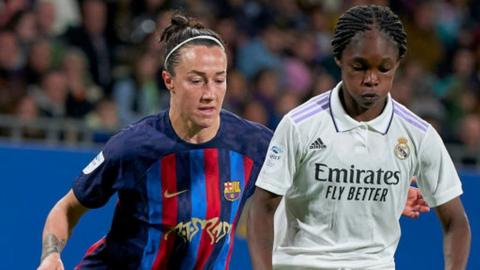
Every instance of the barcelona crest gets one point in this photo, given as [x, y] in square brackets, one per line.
[232, 190]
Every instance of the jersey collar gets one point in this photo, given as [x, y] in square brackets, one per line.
[343, 122]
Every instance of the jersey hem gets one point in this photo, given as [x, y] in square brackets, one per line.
[82, 200]
[272, 188]
[445, 196]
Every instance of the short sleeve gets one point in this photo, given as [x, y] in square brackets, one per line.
[276, 174]
[437, 176]
[94, 187]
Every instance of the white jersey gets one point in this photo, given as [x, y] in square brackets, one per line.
[345, 182]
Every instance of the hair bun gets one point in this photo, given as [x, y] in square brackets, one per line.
[180, 21]
[178, 24]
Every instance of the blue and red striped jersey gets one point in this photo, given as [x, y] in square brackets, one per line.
[178, 203]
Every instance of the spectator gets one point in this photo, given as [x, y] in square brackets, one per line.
[83, 94]
[261, 52]
[103, 121]
[12, 82]
[40, 60]
[423, 43]
[142, 93]
[51, 96]
[469, 135]
[28, 113]
[92, 38]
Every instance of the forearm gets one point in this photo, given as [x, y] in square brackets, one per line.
[55, 232]
[260, 237]
[260, 228]
[457, 245]
[59, 224]
[456, 234]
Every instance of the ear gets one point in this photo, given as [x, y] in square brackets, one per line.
[168, 80]
[337, 61]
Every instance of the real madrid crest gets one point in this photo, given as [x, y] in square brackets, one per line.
[402, 151]
[232, 190]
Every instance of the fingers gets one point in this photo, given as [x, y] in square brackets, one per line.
[411, 213]
[413, 180]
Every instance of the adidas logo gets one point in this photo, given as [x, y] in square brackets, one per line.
[318, 144]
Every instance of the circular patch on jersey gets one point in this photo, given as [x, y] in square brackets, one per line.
[273, 159]
[402, 151]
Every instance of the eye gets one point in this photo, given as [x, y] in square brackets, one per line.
[384, 69]
[358, 67]
[220, 81]
[196, 80]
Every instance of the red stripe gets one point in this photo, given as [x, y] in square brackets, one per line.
[247, 170]
[91, 249]
[169, 212]
[212, 180]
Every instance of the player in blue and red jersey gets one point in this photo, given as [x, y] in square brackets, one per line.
[182, 176]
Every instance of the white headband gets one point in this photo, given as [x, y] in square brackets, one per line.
[188, 40]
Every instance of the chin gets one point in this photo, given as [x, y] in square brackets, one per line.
[204, 123]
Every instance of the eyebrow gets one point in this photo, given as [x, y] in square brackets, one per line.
[200, 73]
[364, 61]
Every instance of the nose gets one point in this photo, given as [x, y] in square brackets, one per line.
[208, 92]
[371, 78]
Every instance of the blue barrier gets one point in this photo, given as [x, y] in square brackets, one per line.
[34, 178]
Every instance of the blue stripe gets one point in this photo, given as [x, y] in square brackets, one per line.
[198, 197]
[410, 120]
[408, 114]
[237, 173]
[309, 104]
[317, 109]
[154, 198]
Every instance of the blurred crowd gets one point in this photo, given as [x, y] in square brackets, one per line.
[100, 61]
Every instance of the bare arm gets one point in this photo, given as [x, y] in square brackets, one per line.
[260, 228]
[456, 234]
[60, 222]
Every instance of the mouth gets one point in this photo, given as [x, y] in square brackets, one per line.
[207, 110]
[370, 98]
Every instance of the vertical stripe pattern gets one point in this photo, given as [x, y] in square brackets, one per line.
[169, 211]
[199, 207]
[247, 171]
[154, 197]
[187, 201]
[213, 204]
[237, 173]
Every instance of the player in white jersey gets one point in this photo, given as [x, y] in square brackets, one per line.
[342, 162]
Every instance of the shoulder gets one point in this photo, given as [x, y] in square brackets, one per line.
[310, 109]
[409, 119]
[309, 116]
[133, 139]
[236, 124]
[245, 137]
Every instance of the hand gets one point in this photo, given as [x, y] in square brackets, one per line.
[415, 203]
[51, 262]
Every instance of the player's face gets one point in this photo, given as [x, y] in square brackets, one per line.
[368, 65]
[199, 85]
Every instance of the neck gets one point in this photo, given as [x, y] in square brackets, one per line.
[360, 113]
[191, 133]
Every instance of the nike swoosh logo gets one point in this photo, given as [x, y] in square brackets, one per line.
[168, 195]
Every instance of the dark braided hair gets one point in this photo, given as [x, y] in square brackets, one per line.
[182, 28]
[363, 18]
